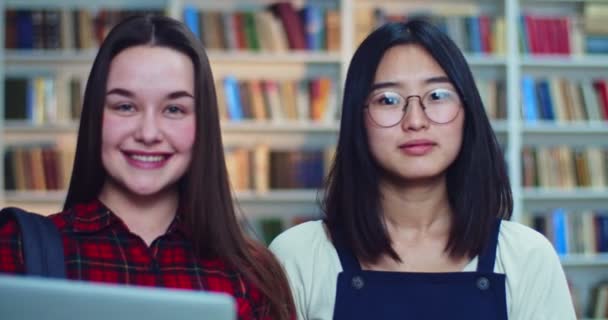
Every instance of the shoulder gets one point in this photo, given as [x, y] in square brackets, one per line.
[523, 251]
[535, 281]
[63, 219]
[302, 240]
[518, 240]
[312, 266]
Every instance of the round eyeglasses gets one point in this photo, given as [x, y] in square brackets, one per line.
[388, 108]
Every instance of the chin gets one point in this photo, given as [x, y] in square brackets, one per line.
[144, 192]
[417, 177]
[143, 189]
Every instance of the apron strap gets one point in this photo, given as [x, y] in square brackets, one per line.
[348, 260]
[488, 257]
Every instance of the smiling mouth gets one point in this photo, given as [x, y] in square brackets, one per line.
[147, 158]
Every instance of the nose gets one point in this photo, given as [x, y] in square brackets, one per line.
[148, 131]
[414, 118]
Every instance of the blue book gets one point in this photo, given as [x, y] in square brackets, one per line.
[560, 231]
[25, 30]
[233, 98]
[530, 107]
[596, 44]
[474, 34]
[312, 17]
[546, 103]
[602, 231]
[191, 20]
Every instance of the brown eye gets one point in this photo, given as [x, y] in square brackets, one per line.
[441, 95]
[387, 100]
[124, 107]
[174, 111]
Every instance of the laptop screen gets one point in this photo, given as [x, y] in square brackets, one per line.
[35, 298]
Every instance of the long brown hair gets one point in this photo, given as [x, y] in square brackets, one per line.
[205, 196]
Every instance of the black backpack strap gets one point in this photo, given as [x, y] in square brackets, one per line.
[42, 245]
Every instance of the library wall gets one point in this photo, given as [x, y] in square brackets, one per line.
[541, 68]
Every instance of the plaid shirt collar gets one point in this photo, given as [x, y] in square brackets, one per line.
[95, 216]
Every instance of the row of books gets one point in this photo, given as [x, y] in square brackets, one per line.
[37, 167]
[472, 32]
[564, 167]
[61, 28]
[262, 169]
[493, 94]
[576, 33]
[595, 15]
[57, 99]
[267, 228]
[598, 307]
[43, 99]
[304, 99]
[571, 232]
[541, 34]
[277, 28]
[563, 100]
[45, 166]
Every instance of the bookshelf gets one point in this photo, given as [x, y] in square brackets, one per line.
[504, 62]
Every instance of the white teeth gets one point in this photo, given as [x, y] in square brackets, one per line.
[147, 158]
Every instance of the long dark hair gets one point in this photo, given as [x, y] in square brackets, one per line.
[205, 198]
[478, 186]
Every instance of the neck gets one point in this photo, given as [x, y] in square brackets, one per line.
[419, 207]
[146, 216]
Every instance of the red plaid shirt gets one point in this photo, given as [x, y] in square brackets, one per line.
[99, 247]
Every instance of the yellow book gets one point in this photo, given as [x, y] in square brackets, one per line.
[261, 168]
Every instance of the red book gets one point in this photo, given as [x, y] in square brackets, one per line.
[11, 29]
[564, 32]
[49, 164]
[239, 28]
[602, 93]
[292, 24]
[485, 30]
[531, 31]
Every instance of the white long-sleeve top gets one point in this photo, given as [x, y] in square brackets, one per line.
[535, 282]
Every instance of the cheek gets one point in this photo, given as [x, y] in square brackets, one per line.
[115, 129]
[377, 139]
[454, 136]
[183, 135]
[111, 130]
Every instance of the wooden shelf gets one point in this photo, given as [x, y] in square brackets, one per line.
[585, 260]
[284, 135]
[269, 57]
[25, 58]
[575, 199]
[555, 61]
[479, 60]
[37, 197]
[568, 133]
[27, 127]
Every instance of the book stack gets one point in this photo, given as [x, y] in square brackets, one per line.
[277, 28]
[313, 99]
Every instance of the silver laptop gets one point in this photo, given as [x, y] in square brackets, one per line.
[34, 298]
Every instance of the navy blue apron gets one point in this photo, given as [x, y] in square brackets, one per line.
[375, 295]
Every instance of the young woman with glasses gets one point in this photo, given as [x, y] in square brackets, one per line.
[418, 200]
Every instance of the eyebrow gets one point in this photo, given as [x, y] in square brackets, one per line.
[129, 94]
[380, 85]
